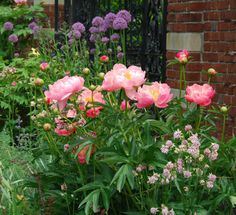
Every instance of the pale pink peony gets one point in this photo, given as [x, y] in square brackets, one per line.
[44, 66]
[62, 89]
[201, 95]
[182, 56]
[21, 2]
[157, 93]
[121, 77]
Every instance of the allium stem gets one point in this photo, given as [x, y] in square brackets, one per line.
[123, 45]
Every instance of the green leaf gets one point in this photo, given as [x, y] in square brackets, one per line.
[233, 200]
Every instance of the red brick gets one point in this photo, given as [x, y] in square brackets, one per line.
[213, 57]
[193, 76]
[232, 68]
[216, 15]
[220, 46]
[194, 27]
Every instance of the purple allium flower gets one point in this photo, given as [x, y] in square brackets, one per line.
[115, 37]
[120, 24]
[93, 38]
[120, 55]
[78, 26]
[109, 19]
[105, 40]
[125, 15]
[93, 30]
[36, 29]
[74, 34]
[154, 210]
[13, 38]
[187, 174]
[102, 29]
[97, 21]
[32, 25]
[8, 26]
[71, 41]
[92, 51]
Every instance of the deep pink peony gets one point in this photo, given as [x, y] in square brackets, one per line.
[157, 93]
[122, 77]
[82, 154]
[182, 56]
[63, 129]
[62, 89]
[200, 95]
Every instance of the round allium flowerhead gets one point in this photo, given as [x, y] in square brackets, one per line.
[109, 19]
[32, 25]
[102, 28]
[105, 40]
[125, 15]
[8, 26]
[92, 51]
[200, 94]
[13, 38]
[97, 21]
[21, 2]
[62, 89]
[115, 37]
[120, 24]
[78, 26]
[93, 30]
[120, 55]
[157, 93]
[76, 34]
[182, 56]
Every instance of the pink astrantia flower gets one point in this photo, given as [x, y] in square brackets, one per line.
[44, 66]
[158, 94]
[62, 89]
[71, 113]
[182, 56]
[121, 77]
[201, 95]
[21, 2]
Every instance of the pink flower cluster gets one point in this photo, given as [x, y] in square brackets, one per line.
[211, 180]
[165, 148]
[213, 153]
[168, 174]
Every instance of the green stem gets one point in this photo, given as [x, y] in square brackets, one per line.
[180, 83]
[200, 118]
[223, 129]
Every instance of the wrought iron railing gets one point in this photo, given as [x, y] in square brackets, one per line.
[146, 37]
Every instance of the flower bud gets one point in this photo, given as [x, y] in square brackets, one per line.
[224, 109]
[47, 127]
[86, 71]
[104, 58]
[38, 82]
[211, 71]
[101, 75]
[92, 87]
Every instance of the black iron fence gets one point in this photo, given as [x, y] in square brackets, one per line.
[146, 36]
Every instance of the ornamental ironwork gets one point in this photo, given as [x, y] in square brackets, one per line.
[146, 36]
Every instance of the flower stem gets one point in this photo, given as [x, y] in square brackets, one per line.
[200, 118]
[223, 128]
[180, 83]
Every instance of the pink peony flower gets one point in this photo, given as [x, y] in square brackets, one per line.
[122, 77]
[21, 2]
[200, 95]
[62, 89]
[158, 94]
[63, 129]
[124, 105]
[44, 66]
[182, 56]
[93, 112]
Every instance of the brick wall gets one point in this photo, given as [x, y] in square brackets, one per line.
[214, 23]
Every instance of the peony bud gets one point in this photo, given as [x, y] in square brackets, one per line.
[211, 71]
[86, 71]
[101, 75]
[47, 127]
[104, 58]
[224, 109]
[92, 87]
[38, 82]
